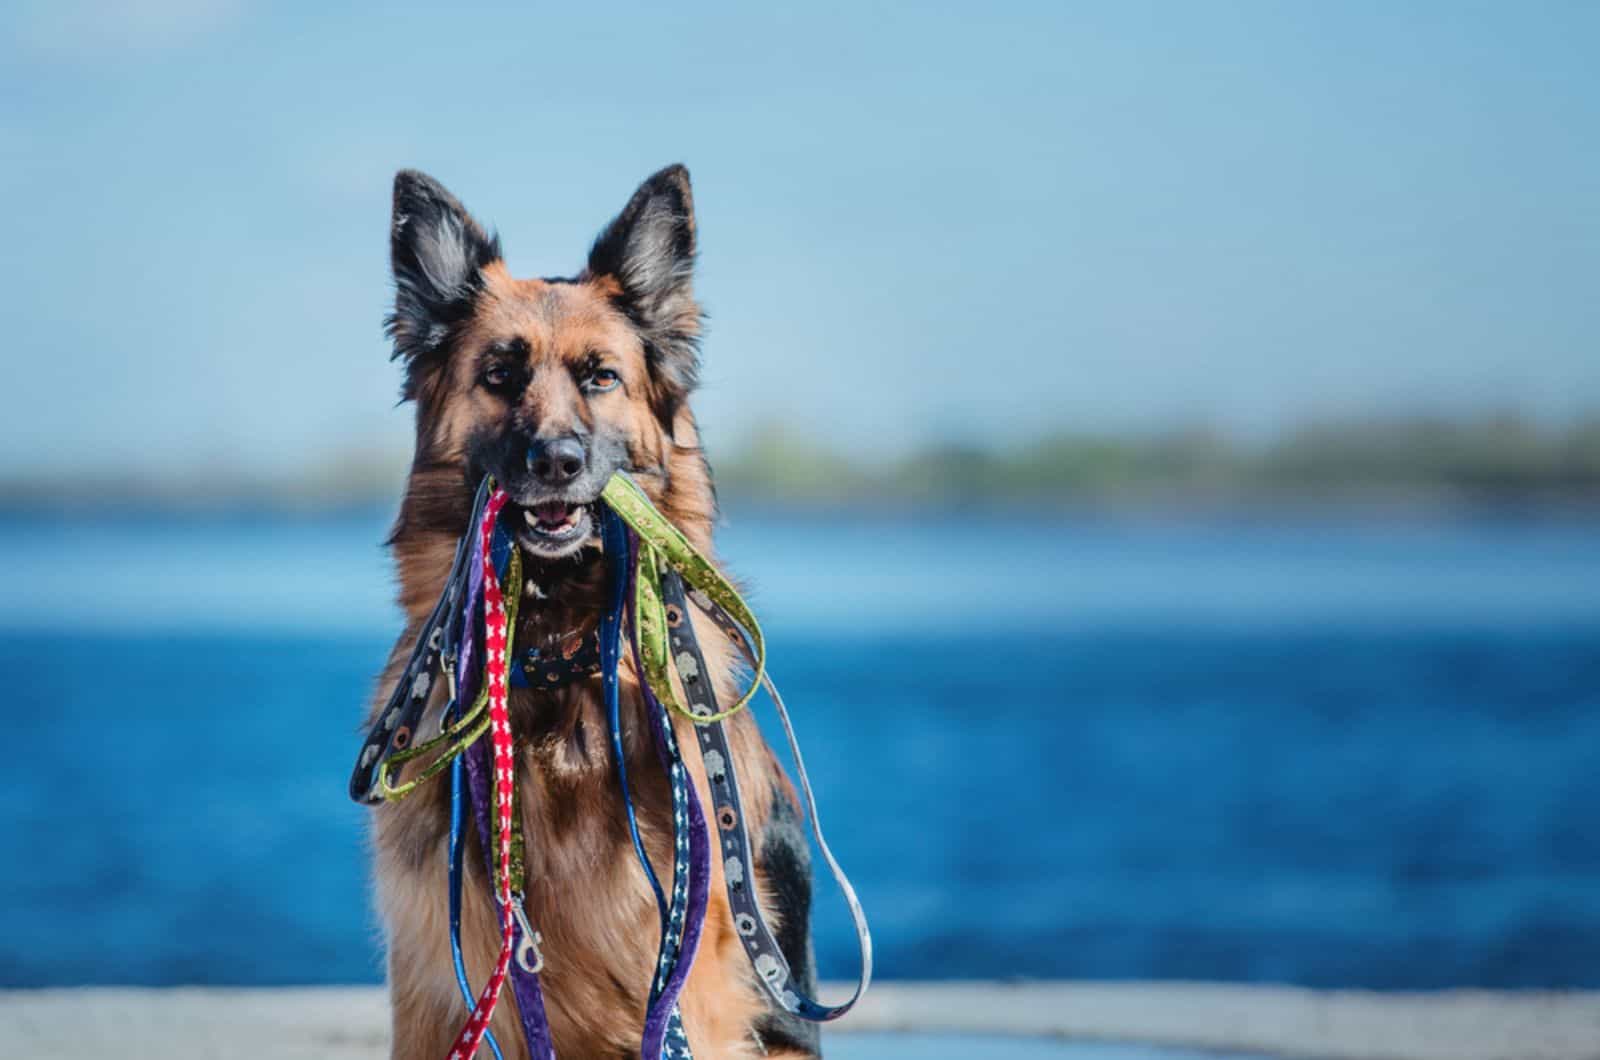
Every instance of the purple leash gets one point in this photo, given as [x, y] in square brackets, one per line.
[660, 1014]
[683, 914]
[683, 921]
[524, 983]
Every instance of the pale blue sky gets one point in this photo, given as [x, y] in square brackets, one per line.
[972, 220]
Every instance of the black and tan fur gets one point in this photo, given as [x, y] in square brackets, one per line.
[502, 369]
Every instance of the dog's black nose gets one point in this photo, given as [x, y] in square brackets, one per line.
[556, 461]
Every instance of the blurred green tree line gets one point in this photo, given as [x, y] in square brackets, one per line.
[1491, 458]
[1500, 456]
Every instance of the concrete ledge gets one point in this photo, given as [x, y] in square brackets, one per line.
[350, 1023]
[1278, 1021]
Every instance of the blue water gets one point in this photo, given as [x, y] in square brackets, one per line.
[1351, 752]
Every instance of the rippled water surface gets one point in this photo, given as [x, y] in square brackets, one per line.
[1330, 752]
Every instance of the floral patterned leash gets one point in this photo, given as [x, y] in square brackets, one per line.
[682, 909]
[651, 561]
[664, 636]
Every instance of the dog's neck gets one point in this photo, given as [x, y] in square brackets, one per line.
[560, 600]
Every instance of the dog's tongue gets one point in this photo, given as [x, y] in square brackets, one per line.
[553, 513]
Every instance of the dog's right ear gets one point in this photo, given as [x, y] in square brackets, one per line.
[438, 253]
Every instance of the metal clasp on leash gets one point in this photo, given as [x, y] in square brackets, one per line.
[529, 956]
[447, 661]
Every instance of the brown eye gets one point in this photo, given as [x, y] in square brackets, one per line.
[603, 379]
[496, 377]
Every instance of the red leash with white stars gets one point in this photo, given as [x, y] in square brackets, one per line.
[637, 538]
[496, 641]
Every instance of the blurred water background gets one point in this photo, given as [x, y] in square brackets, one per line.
[1335, 750]
[1163, 441]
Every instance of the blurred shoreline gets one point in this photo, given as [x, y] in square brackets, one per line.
[1088, 1019]
[1492, 462]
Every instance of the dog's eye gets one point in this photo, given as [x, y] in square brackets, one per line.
[496, 377]
[603, 379]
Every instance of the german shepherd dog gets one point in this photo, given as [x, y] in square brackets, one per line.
[551, 385]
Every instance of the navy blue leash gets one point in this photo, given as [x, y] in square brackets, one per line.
[760, 943]
[691, 878]
[664, 1035]
[682, 912]
[614, 539]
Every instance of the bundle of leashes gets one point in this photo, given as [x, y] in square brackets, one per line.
[654, 576]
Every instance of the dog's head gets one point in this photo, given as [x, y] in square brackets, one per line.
[550, 385]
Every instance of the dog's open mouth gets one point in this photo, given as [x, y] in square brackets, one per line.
[552, 529]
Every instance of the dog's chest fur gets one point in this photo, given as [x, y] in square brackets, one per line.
[586, 893]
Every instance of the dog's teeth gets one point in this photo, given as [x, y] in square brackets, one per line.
[529, 518]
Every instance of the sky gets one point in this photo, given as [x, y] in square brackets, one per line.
[968, 222]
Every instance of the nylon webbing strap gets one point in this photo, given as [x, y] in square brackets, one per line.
[665, 557]
[656, 574]
[395, 728]
[662, 545]
[733, 836]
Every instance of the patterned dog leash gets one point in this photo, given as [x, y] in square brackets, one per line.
[476, 765]
[395, 728]
[651, 564]
[665, 632]
[496, 654]
[682, 908]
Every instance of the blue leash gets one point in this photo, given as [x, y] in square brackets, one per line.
[458, 809]
[614, 537]
[682, 915]
[458, 813]
[674, 1042]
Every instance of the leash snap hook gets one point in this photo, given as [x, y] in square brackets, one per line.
[529, 956]
[448, 659]
[448, 663]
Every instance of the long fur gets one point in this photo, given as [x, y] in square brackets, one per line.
[455, 304]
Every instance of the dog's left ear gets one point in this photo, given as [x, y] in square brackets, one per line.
[648, 250]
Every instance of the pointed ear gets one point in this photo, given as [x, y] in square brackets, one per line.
[648, 250]
[438, 253]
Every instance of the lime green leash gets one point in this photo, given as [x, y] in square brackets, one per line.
[670, 569]
[459, 734]
[661, 545]
[664, 558]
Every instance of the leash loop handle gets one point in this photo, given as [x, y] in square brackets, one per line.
[475, 723]
[403, 710]
[755, 935]
[666, 560]
[662, 544]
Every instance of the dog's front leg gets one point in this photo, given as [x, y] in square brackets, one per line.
[426, 1010]
[426, 1007]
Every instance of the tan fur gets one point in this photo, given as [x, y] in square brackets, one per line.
[586, 892]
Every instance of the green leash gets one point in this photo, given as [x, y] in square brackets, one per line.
[459, 734]
[668, 563]
[663, 545]
[669, 574]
